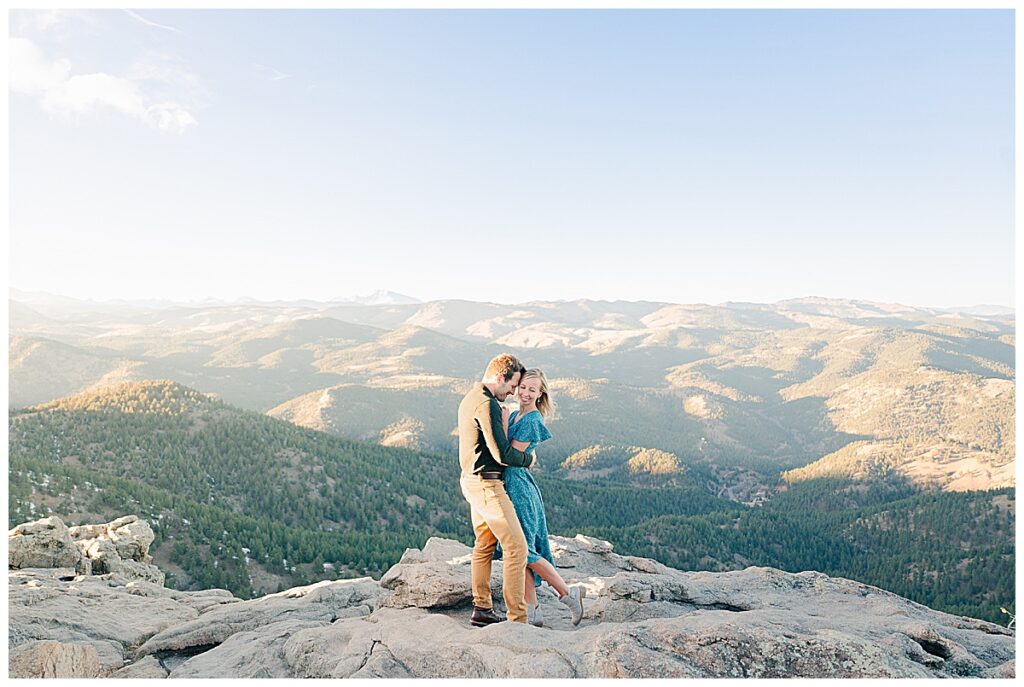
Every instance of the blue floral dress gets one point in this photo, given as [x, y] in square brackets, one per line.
[523, 491]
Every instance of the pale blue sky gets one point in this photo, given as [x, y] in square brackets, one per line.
[685, 155]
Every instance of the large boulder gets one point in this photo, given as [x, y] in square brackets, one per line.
[131, 536]
[120, 546]
[436, 577]
[44, 543]
[47, 658]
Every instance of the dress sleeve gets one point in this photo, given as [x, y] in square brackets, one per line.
[531, 428]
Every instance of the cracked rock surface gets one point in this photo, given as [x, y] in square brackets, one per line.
[110, 614]
[641, 619]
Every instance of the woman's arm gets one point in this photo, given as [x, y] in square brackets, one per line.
[504, 420]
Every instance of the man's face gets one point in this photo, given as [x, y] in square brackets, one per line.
[505, 388]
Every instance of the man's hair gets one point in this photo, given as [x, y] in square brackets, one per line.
[504, 366]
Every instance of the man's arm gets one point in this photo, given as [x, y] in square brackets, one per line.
[488, 417]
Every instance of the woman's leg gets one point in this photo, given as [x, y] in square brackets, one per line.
[529, 591]
[548, 573]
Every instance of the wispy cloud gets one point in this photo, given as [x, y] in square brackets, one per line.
[56, 25]
[33, 73]
[165, 70]
[39, 19]
[271, 73]
[147, 22]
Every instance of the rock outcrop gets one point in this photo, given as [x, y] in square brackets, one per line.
[120, 546]
[641, 619]
[43, 543]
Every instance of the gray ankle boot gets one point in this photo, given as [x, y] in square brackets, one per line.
[533, 615]
[574, 600]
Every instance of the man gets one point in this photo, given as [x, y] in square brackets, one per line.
[484, 452]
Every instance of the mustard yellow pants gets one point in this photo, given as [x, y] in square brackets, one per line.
[494, 520]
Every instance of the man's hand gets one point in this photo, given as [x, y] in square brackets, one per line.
[533, 463]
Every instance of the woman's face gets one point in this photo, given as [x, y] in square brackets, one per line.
[529, 391]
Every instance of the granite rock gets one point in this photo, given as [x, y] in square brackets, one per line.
[641, 619]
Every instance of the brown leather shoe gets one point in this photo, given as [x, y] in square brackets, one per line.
[484, 616]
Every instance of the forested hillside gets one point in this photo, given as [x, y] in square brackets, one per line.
[295, 498]
[250, 503]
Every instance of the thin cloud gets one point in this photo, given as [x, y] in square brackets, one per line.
[58, 25]
[147, 22]
[60, 92]
[166, 69]
[40, 20]
[271, 73]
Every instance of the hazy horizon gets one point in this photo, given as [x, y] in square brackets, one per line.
[662, 155]
[352, 297]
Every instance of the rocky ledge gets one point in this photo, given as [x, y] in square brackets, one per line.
[70, 617]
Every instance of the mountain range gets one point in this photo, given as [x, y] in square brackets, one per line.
[757, 395]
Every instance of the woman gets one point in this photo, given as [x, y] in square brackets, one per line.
[525, 430]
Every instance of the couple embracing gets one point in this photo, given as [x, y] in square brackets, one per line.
[496, 452]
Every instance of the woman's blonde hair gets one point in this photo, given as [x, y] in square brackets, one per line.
[545, 404]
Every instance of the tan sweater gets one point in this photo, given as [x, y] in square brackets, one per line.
[482, 441]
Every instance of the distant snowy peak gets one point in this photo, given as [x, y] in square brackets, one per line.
[842, 307]
[380, 297]
[981, 310]
[846, 307]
